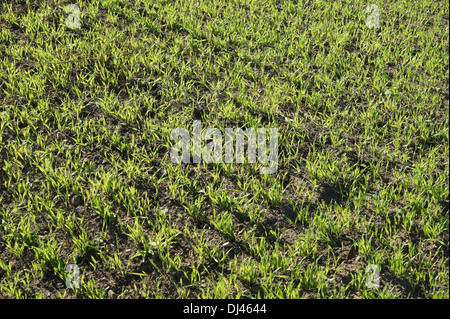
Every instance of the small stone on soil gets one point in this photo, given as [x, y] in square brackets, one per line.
[76, 201]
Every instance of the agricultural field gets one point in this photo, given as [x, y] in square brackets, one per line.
[92, 204]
